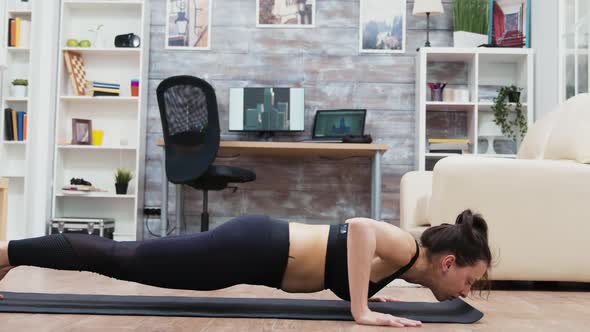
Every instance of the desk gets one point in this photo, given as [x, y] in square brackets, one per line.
[283, 149]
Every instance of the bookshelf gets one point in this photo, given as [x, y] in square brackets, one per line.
[464, 109]
[121, 118]
[16, 57]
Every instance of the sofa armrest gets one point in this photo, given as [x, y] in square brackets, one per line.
[537, 211]
[415, 190]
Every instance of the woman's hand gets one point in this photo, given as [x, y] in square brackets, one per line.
[381, 298]
[376, 318]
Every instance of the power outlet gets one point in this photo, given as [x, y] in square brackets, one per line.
[152, 211]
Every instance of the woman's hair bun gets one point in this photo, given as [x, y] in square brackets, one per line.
[470, 223]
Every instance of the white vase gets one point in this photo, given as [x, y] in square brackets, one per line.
[98, 39]
[468, 39]
[19, 91]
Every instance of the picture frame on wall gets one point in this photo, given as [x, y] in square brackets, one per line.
[82, 131]
[382, 26]
[285, 13]
[509, 23]
[188, 24]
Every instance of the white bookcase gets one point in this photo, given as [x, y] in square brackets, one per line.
[122, 118]
[13, 153]
[473, 74]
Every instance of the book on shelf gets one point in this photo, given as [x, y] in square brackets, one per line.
[449, 151]
[100, 92]
[19, 125]
[25, 127]
[105, 89]
[15, 125]
[448, 140]
[8, 135]
[11, 32]
[19, 32]
[106, 85]
[447, 146]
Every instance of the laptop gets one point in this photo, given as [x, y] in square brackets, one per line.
[330, 126]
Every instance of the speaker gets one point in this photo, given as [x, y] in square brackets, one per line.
[357, 139]
[127, 40]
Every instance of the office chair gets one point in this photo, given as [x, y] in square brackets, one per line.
[190, 122]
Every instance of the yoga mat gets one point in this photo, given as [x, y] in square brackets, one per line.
[455, 311]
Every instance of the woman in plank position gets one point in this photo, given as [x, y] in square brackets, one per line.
[354, 260]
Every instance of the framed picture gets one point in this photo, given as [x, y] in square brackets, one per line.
[188, 24]
[509, 23]
[382, 26]
[81, 131]
[285, 13]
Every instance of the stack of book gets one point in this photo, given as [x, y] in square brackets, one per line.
[15, 125]
[19, 32]
[105, 89]
[448, 145]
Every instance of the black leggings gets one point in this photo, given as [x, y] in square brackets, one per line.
[245, 250]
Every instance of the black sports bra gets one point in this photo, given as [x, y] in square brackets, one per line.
[336, 271]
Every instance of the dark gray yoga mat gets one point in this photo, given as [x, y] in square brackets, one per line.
[455, 311]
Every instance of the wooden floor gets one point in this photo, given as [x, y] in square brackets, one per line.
[504, 310]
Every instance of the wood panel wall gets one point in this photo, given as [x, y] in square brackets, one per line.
[325, 60]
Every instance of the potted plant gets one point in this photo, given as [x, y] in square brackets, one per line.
[470, 23]
[122, 178]
[512, 122]
[19, 87]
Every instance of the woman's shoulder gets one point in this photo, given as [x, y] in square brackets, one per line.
[389, 229]
[394, 244]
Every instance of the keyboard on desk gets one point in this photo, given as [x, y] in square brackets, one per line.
[327, 140]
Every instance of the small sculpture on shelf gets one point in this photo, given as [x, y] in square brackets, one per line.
[122, 178]
[79, 186]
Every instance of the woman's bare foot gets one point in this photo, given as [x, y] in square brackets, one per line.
[4, 254]
[4, 263]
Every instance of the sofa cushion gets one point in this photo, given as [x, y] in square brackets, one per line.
[533, 144]
[570, 136]
[416, 232]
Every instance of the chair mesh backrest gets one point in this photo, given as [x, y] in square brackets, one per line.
[186, 109]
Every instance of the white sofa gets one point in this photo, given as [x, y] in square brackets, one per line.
[537, 206]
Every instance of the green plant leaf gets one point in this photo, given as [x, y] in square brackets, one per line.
[123, 175]
[512, 123]
[20, 81]
[470, 16]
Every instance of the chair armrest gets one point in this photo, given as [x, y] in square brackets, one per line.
[537, 211]
[415, 191]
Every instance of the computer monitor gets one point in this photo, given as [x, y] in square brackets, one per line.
[331, 124]
[266, 109]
